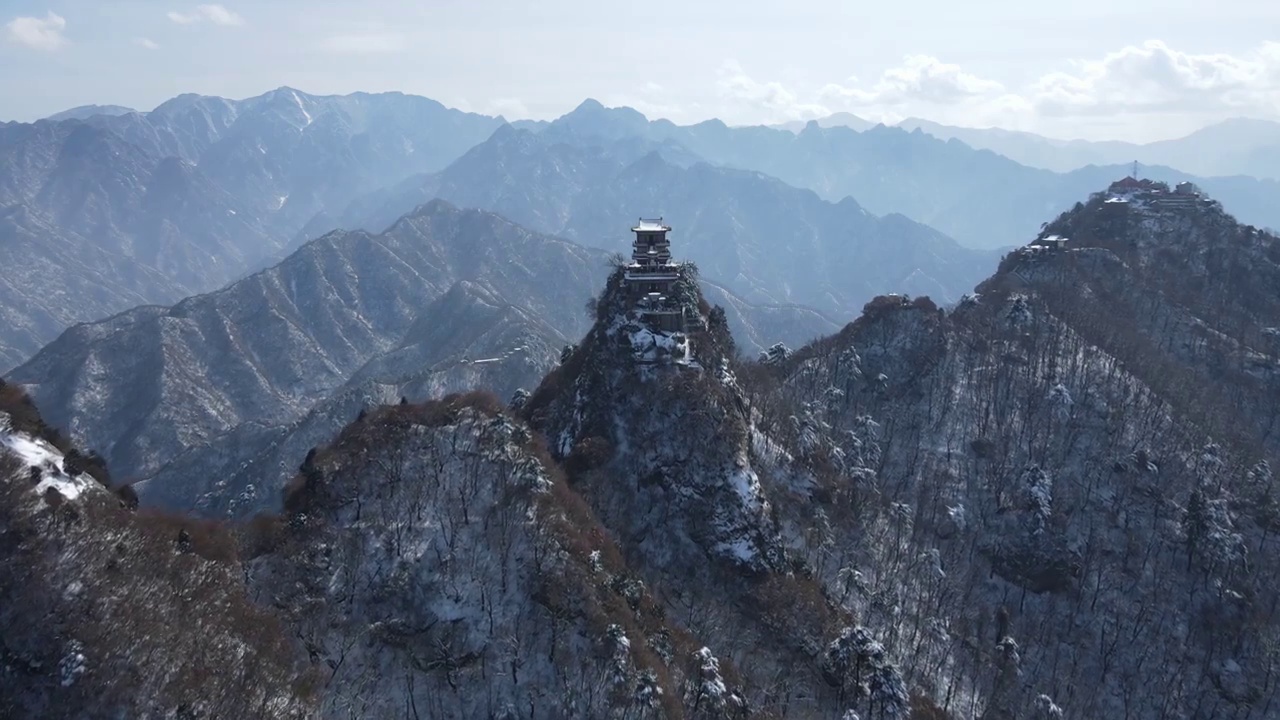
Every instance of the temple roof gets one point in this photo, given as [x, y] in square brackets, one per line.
[651, 226]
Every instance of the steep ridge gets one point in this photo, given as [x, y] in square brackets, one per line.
[143, 386]
[212, 403]
[467, 338]
[753, 234]
[1191, 301]
[434, 558]
[656, 435]
[1021, 498]
[111, 612]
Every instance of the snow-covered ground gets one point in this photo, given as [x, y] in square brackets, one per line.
[37, 453]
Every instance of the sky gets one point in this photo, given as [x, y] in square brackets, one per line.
[1134, 70]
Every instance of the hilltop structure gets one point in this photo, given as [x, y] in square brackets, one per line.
[651, 276]
[1155, 192]
[1130, 192]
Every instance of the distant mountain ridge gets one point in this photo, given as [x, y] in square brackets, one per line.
[765, 241]
[201, 190]
[192, 195]
[84, 112]
[271, 345]
[86, 211]
[839, 119]
[980, 198]
[1239, 146]
[288, 154]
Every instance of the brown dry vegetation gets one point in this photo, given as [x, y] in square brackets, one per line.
[160, 629]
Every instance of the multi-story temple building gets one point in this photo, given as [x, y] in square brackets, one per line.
[651, 276]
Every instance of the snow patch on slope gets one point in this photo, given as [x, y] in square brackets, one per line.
[46, 458]
[306, 115]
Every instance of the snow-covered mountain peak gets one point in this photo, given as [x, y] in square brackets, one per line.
[648, 406]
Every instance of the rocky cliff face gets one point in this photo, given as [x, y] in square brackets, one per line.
[657, 435]
[1004, 491]
[623, 388]
[434, 558]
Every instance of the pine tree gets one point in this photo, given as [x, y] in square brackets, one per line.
[889, 691]
[1195, 523]
[518, 399]
[1019, 312]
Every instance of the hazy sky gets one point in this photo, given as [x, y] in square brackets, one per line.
[1133, 69]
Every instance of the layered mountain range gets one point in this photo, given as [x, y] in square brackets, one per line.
[360, 417]
[249, 377]
[764, 240]
[131, 208]
[1239, 146]
[1053, 500]
[981, 199]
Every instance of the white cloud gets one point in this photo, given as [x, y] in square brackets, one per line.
[1154, 78]
[38, 33]
[764, 101]
[920, 81]
[1150, 80]
[146, 43]
[372, 43]
[212, 13]
[921, 78]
